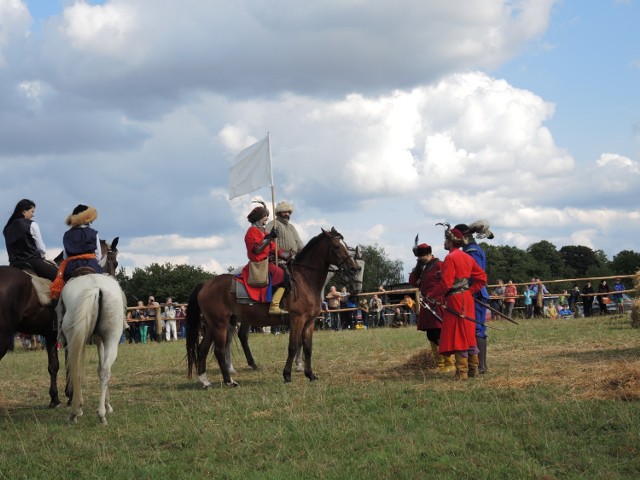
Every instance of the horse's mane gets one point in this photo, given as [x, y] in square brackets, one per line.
[314, 241]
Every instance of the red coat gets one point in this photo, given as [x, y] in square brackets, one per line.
[426, 276]
[253, 237]
[458, 334]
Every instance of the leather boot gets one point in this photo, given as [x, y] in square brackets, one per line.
[449, 363]
[274, 308]
[473, 365]
[462, 367]
[482, 356]
[439, 358]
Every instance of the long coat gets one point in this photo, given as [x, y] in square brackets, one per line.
[253, 237]
[426, 276]
[457, 333]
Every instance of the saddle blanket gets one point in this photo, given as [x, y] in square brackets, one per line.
[237, 287]
[42, 287]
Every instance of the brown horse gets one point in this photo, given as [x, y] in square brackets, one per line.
[245, 328]
[20, 311]
[214, 306]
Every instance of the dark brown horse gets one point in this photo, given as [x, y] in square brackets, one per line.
[214, 306]
[20, 311]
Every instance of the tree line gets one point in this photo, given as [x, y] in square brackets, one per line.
[542, 259]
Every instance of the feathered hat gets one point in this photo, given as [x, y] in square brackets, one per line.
[258, 212]
[422, 250]
[480, 228]
[454, 235]
[81, 215]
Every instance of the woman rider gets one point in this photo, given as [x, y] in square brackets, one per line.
[259, 246]
[24, 242]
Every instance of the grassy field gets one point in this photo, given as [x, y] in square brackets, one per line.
[560, 401]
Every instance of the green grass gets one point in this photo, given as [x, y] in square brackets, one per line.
[560, 401]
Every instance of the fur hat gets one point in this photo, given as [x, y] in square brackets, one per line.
[81, 215]
[454, 235]
[422, 250]
[258, 213]
[284, 207]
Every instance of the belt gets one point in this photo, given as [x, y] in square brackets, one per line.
[460, 285]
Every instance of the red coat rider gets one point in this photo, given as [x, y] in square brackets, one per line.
[259, 246]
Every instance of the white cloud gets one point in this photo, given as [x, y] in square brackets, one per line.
[14, 25]
[174, 242]
[99, 29]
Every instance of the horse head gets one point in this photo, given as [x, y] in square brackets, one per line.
[109, 260]
[341, 257]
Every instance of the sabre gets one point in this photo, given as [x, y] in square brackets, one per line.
[498, 312]
[424, 304]
[456, 313]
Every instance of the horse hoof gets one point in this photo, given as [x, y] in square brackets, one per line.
[287, 379]
[312, 377]
[232, 384]
[103, 420]
[54, 403]
[254, 366]
[205, 386]
[299, 368]
[73, 418]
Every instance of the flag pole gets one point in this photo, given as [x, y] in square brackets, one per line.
[273, 194]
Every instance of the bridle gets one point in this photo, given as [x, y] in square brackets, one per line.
[338, 267]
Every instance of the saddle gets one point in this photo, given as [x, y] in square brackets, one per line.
[80, 271]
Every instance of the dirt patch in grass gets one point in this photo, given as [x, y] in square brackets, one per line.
[592, 371]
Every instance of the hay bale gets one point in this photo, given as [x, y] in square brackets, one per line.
[635, 313]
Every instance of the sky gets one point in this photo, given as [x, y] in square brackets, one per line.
[385, 118]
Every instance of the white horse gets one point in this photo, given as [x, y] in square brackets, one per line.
[92, 306]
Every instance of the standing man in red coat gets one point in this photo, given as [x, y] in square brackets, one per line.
[461, 278]
[426, 275]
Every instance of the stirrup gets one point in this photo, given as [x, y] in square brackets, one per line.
[277, 311]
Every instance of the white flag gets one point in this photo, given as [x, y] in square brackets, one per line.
[251, 170]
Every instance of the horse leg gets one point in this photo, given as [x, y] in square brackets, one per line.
[295, 331]
[299, 362]
[307, 342]
[227, 354]
[107, 353]
[243, 335]
[203, 351]
[53, 368]
[219, 349]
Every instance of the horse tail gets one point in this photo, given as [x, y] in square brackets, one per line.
[82, 318]
[193, 328]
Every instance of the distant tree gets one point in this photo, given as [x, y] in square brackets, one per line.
[507, 263]
[545, 260]
[379, 269]
[602, 268]
[627, 262]
[162, 281]
[578, 260]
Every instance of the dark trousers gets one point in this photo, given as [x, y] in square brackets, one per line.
[43, 268]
